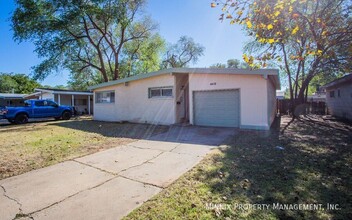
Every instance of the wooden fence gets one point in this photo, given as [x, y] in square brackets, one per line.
[319, 108]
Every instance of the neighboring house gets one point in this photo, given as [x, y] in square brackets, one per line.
[339, 97]
[81, 100]
[199, 96]
[317, 97]
[280, 95]
[11, 99]
[317, 103]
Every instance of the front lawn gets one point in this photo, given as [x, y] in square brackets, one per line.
[39, 144]
[308, 161]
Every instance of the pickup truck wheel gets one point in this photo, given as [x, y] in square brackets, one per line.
[11, 121]
[21, 118]
[66, 115]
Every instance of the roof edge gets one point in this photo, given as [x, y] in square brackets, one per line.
[338, 81]
[274, 72]
[62, 91]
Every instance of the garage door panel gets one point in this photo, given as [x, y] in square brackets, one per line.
[217, 108]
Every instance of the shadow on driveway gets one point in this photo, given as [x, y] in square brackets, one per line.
[174, 133]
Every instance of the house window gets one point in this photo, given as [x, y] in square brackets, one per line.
[155, 93]
[160, 92]
[166, 92]
[332, 94]
[105, 97]
[338, 93]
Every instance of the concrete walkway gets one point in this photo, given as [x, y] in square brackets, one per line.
[111, 183]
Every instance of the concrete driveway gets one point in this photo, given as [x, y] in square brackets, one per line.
[111, 183]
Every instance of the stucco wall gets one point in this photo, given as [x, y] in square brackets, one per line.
[340, 106]
[133, 104]
[271, 101]
[253, 95]
[181, 89]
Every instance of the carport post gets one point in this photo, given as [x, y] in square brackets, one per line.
[73, 100]
[88, 104]
[59, 99]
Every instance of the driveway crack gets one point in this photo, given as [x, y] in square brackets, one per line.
[150, 184]
[142, 148]
[105, 171]
[147, 161]
[174, 148]
[147, 148]
[55, 203]
[13, 199]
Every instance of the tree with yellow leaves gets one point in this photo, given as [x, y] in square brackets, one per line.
[304, 38]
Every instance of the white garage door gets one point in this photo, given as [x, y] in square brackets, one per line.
[217, 108]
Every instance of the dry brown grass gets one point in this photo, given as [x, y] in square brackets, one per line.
[39, 144]
[314, 166]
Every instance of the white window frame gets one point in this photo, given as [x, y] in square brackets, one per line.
[161, 92]
[97, 101]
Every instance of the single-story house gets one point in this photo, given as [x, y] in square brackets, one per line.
[81, 100]
[11, 99]
[339, 97]
[317, 97]
[199, 96]
[280, 95]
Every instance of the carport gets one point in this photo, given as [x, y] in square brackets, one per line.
[82, 101]
[11, 99]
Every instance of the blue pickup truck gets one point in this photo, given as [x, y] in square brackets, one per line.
[35, 109]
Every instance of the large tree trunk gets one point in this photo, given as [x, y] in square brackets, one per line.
[292, 99]
[292, 105]
[105, 76]
[306, 81]
[302, 91]
[116, 72]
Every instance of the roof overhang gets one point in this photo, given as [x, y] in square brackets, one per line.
[12, 96]
[343, 80]
[61, 92]
[272, 73]
[32, 94]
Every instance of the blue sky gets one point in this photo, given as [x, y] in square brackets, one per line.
[194, 18]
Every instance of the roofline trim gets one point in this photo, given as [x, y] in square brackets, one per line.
[62, 92]
[266, 72]
[11, 95]
[338, 81]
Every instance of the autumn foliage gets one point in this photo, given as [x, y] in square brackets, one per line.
[303, 38]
